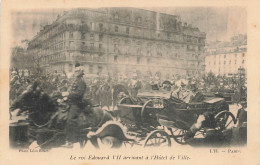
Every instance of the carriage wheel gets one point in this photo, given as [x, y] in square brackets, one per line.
[157, 138]
[125, 100]
[145, 115]
[224, 120]
[178, 135]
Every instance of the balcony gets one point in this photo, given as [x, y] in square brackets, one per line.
[81, 58]
[83, 28]
[85, 49]
[73, 27]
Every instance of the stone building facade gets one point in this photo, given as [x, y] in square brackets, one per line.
[117, 41]
[225, 58]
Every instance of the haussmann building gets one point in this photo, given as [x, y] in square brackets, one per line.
[117, 41]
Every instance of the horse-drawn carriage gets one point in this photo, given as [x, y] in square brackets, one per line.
[156, 116]
[144, 116]
[37, 117]
[139, 114]
[231, 96]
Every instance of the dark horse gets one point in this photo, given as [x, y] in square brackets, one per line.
[47, 120]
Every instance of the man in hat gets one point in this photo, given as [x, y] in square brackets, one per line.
[196, 95]
[182, 92]
[134, 86]
[76, 92]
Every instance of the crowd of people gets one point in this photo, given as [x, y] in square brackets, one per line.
[104, 90]
[77, 94]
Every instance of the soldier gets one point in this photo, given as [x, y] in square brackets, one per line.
[76, 93]
[106, 94]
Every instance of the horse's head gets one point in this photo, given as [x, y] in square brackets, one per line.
[38, 104]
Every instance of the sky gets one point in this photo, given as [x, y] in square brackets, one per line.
[219, 23]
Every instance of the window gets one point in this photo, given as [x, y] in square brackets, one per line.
[127, 30]
[92, 45]
[148, 60]
[92, 36]
[92, 26]
[70, 67]
[71, 44]
[100, 26]
[224, 56]
[115, 47]
[148, 52]
[90, 69]
[139, 20]
[100, 69]
[100, 37]
[71, 35]
[115, 58]
[235, 61]
[138, 60]
[82, 35]
[169, 36]
[116, 28]
[100, 46]
[116, 16]
[243, 55]
[138, 51]
[243, 61]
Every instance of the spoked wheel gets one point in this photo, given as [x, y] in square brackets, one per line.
[225, 120]
[126, 100]
[178, 135]
[158, 138]
[145, 114]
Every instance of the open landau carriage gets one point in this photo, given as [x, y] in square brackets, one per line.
[155, 116]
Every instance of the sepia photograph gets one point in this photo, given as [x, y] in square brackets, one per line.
[128, 78]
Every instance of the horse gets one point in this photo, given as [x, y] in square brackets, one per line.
[48, 120]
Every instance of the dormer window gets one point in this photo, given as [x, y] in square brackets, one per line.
[116, 28]
[116, 16]
[139, 20]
